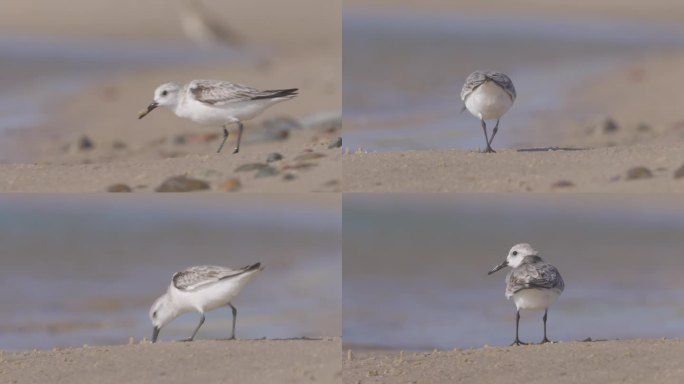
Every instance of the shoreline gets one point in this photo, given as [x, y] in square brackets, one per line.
[625, 361]
[285, 361]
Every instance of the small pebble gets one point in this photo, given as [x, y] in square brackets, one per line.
[230, 185]
[182, 184]
[679, 173]
[250, 167]
[119, 188]
[85, 143]
[275, 156]
[610, 126]
[562, 184]
[119, 145]
[643, 127]
[309, 156]
[289, 177]
[336, 144]
[266, 172]
[639, 173]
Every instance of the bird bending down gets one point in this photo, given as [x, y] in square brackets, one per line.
[215, 102]
[532, 283]
[488, 95]
[201, 289]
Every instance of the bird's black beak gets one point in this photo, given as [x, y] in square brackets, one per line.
[149, 109]
[155, 333]
[502, 265]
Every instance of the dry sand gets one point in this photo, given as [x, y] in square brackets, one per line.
[241, 361]
[633, 361]
[649, 133]
[303, 51]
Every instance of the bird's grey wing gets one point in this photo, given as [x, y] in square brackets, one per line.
[197, 277]
[215, 92]
[538, 275]
[473, 81]
[503, 81]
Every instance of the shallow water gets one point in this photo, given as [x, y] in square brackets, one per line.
[81, 270]
[415, 268]
[403, 72]
[36, 72]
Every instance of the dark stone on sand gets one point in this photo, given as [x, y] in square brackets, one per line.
[85, 143]
[275, 156]
[289, 177]
[266, 172]
[119, 145]
[309, 156]
[182, 183]
[250, 167]
[336, 144]
[119, 188]
[643, 127]
[679, 173]
[301, 166]
[639, 173]
[610, 126]
[562, 184]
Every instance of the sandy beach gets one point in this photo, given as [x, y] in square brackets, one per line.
[632, 144]
[628, 361]
[97, 126]
[243, 361]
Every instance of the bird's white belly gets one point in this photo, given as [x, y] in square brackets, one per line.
[535, 298]
[488, 101]
[207, 114]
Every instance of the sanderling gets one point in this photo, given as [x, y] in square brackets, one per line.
[201, 289]
[488, 95]
[533, 283]
[215, 102]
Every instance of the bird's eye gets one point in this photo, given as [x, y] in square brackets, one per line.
[164, 93]
[154, 314]
[515, 253]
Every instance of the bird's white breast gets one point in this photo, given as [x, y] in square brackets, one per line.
[488, 101]
[535, 298]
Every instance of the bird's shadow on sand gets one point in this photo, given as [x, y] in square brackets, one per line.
[551, 149]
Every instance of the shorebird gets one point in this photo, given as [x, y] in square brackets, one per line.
[202, 289]
[216, 102]
[203, 28]
[532, 283]
[488, 95]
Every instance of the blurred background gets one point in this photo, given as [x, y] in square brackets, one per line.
[74, 74]
[415, 268]
[82, 269]
[585, 71]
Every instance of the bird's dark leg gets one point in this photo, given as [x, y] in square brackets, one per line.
[491, 139]
[484, 128]
[546, 312]
[517, 323]
[196, 329]
[232, 336]
[225, 137]
[237, 146]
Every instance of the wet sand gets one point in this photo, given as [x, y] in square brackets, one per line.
[243, 361]
[305, 54]
[628, 361]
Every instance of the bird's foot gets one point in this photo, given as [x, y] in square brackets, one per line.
[518, 342]
[189, 339]
[236, 150]
[487, 150]
[546, 341]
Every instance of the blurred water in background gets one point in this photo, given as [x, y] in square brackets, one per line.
[415, 268]
[85, 270]
[35, 73]
[403, 72]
